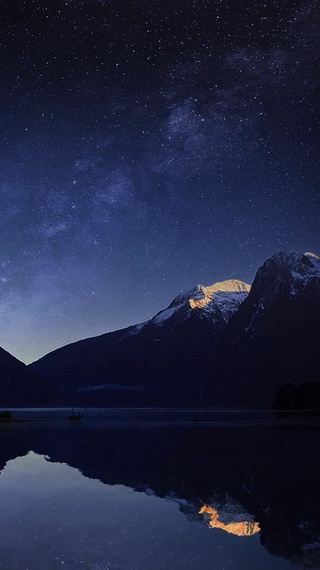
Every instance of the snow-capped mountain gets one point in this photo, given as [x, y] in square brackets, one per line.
[274, 336]
[226, 344]
[160, 362]
[216, 303]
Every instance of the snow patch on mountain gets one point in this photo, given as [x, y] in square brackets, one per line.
[228, 302]
[166, 314]
[304, 274]
[313, 257]
[135, 329]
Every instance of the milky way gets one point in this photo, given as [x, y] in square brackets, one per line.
[146, 147]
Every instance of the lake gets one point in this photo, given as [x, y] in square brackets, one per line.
[159, 489]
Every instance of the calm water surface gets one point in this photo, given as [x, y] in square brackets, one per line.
[159, 490]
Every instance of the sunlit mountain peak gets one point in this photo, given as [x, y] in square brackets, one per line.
[205, 294]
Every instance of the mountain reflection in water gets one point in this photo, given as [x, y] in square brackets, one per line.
[238, 528]
[241, 480]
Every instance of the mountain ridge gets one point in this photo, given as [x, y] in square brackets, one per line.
[224, 344]
[212, 345]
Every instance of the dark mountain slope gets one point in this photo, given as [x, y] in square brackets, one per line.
[274, 337]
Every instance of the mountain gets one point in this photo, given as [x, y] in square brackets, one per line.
[161, 362]
[227, 344]
[274, 337]
[19, 387]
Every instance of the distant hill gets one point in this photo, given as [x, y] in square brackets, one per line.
[19, 387]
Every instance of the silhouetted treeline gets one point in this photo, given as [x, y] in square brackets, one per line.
[305, 396]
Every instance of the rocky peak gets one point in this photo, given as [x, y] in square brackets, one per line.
[287, 273]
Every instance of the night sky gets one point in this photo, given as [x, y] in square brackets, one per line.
[146, 147]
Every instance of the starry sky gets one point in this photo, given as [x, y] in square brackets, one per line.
[148, 146]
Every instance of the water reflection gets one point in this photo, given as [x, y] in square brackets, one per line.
[96, 496]
[236, 527]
